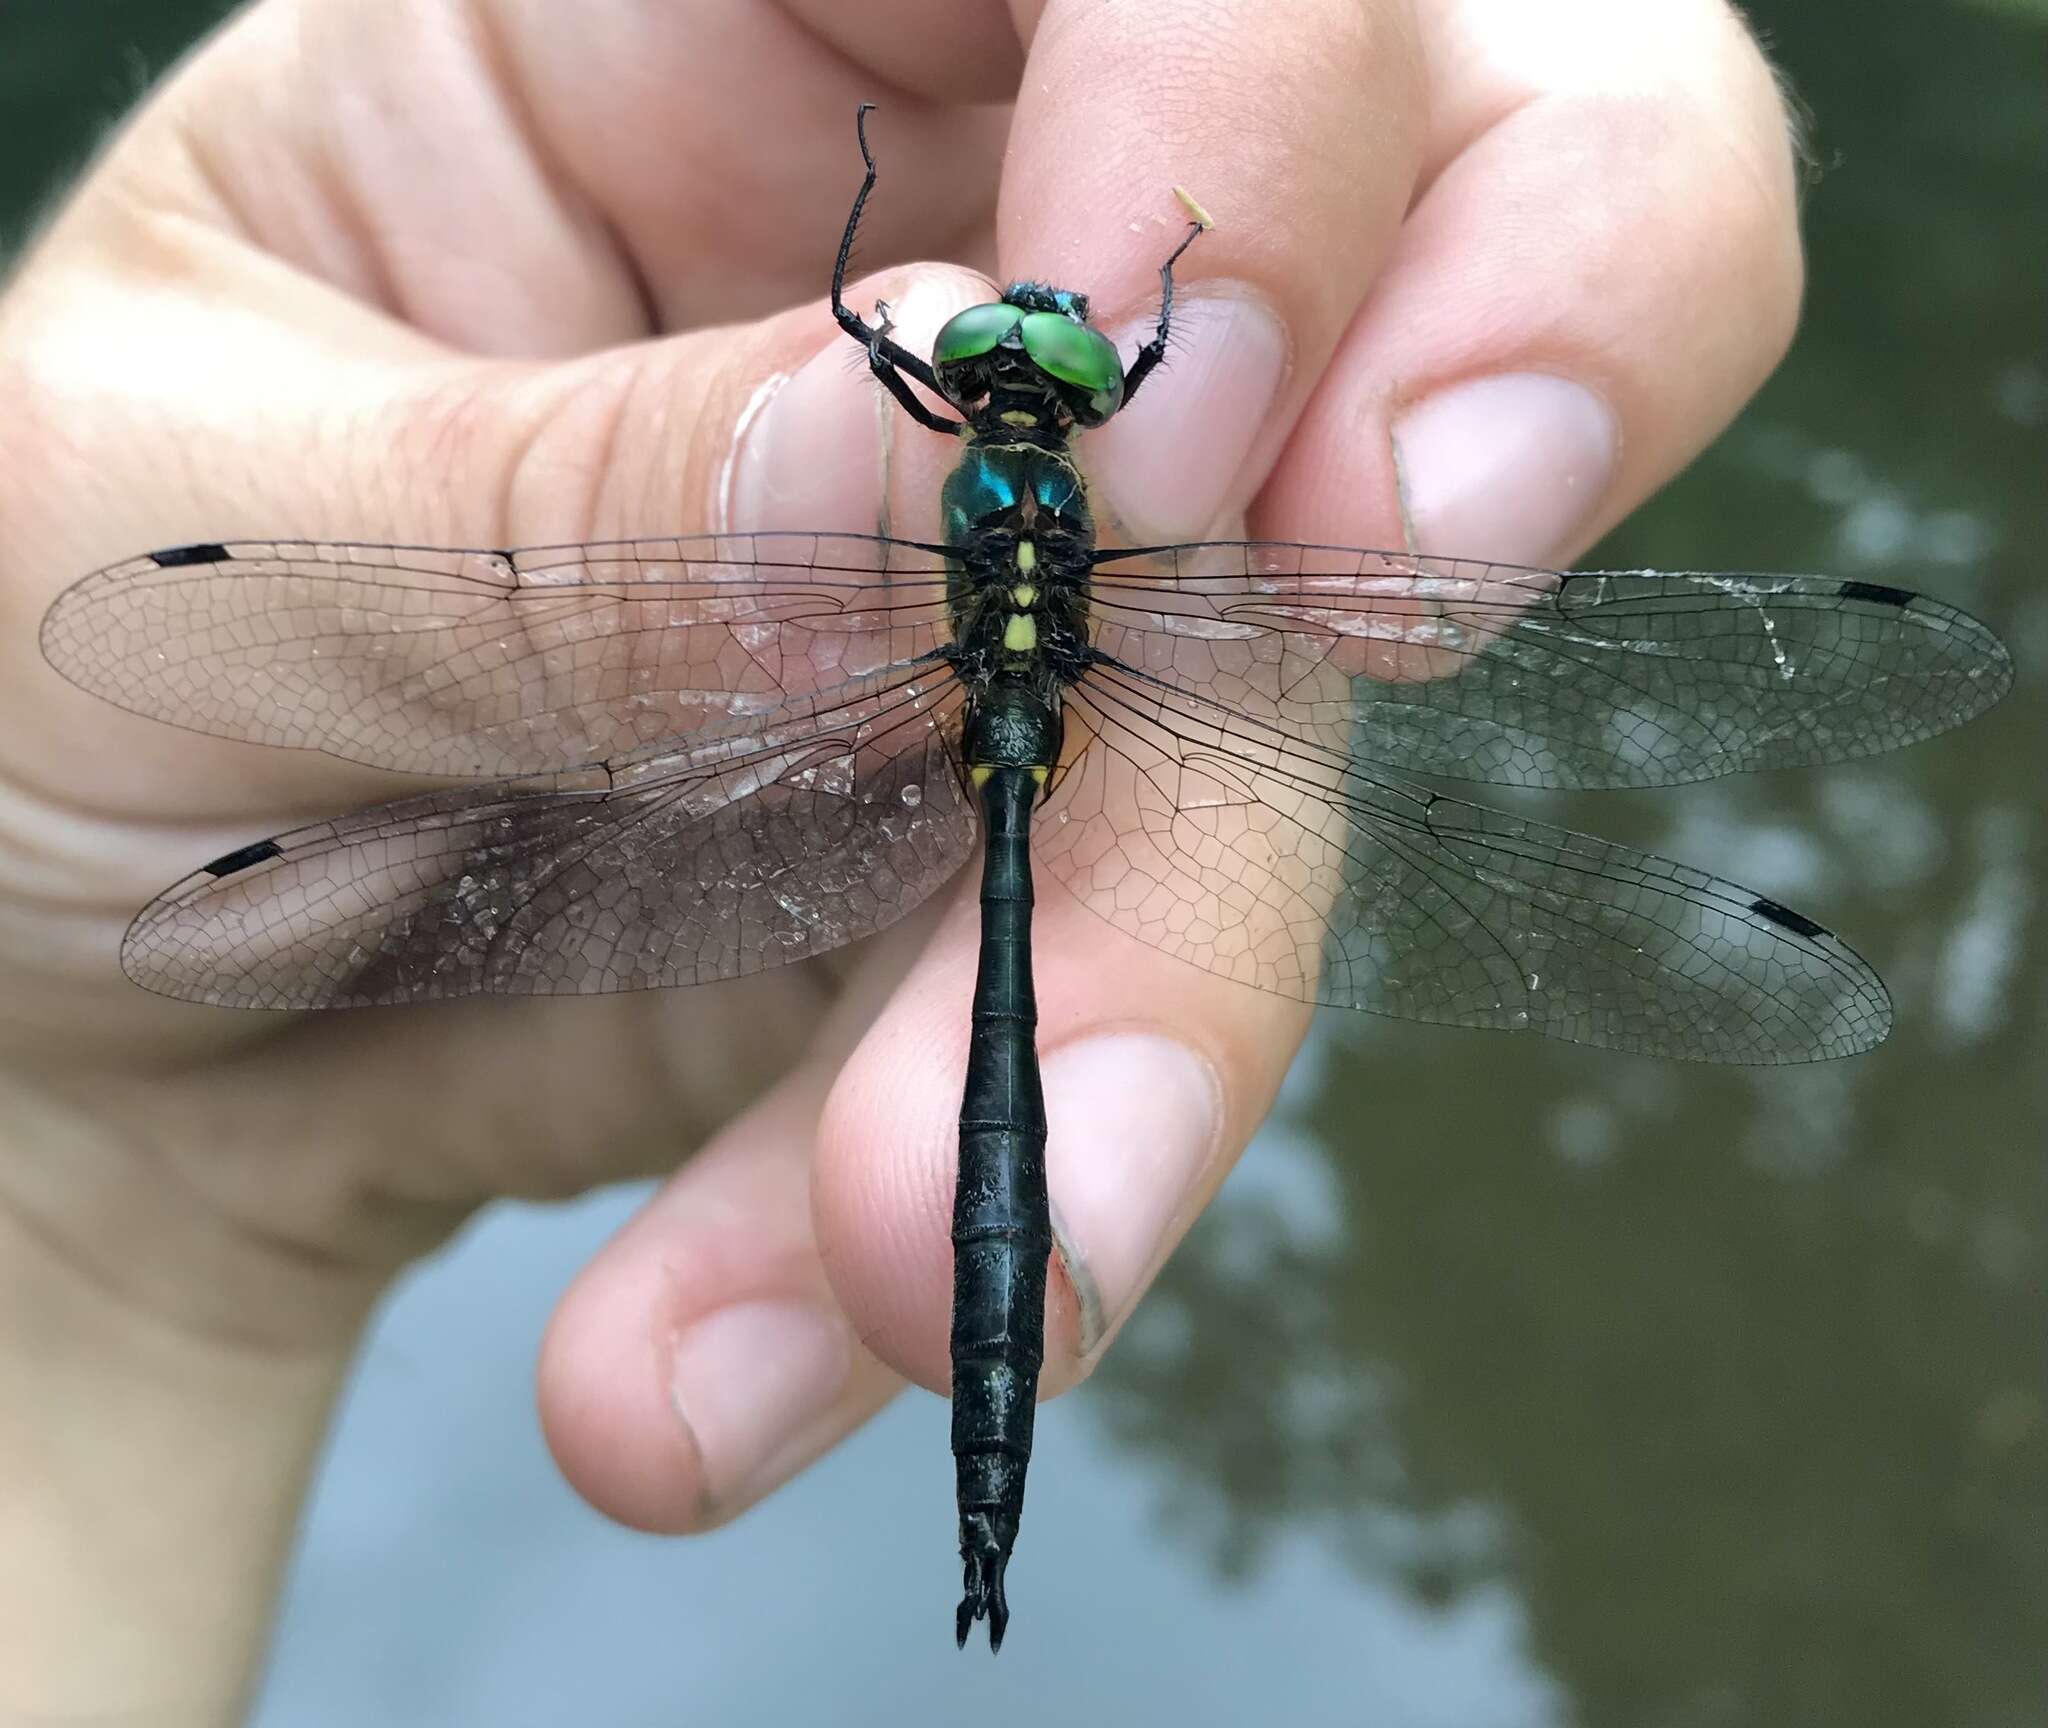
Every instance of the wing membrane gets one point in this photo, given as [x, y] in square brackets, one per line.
[701, 756]
[1284, 865]
[672, 867]
[481, 662]
[1520, 677]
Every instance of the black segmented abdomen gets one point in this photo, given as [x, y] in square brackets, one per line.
[1002, 1225]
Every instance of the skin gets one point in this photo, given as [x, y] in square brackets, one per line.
[502, 272]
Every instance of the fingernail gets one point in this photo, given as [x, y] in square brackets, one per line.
[1509, 469]
[1133, 1120]
[1172, 464]
[795, 464]
[752, 1383]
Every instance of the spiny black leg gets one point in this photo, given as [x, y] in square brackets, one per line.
[906, 398]
[885, 357]
[849, 320]
[1154, 351]
[892, 381]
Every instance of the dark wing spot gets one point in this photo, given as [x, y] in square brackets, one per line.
[1796, 922]
[203, 552]
[229, 862]
[1876, 593]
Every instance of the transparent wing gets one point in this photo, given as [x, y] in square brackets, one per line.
[480, 662]
[672, 867]
[1285, 865]
[1519, 677]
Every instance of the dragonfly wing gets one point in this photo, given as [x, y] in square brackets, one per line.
[702, 864]
[1280, 864]
[486, 663]
[1519, 677]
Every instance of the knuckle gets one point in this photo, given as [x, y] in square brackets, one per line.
[1736, 135]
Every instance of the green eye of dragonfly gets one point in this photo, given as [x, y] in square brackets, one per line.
[1075, 354]
[969, 335]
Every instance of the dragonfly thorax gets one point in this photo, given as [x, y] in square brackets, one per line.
[1006, 490]
[1021, 542]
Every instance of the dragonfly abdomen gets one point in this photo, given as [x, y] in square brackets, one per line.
[1002, 1224]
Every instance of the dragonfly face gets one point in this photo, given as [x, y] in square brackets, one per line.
[1029, 361]
[686, 758]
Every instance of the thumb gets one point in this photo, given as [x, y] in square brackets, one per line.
[224, 398]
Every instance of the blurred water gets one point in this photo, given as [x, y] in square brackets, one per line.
[1509, 1384]
[446, 1575]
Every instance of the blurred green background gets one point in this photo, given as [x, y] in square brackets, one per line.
[1508, 1383]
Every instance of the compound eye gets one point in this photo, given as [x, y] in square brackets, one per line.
[1077, 355]
[970, 334]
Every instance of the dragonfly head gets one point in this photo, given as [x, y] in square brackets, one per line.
[1033, 346]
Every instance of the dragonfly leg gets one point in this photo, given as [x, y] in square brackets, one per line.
[887, 359]
[891, 380]
[1154, 351]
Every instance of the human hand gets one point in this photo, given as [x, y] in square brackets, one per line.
[358, 272]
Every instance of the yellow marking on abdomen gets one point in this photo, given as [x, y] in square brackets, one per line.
[1020, 635]
[983, 772]
[1027, 556]
[1023, 594]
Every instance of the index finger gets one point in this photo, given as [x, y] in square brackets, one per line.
[1290, 125]
[1301, 130]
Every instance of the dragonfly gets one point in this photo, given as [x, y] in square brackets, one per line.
[681, 760]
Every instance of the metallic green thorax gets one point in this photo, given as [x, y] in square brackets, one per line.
[1016, 513]
[1016, 516]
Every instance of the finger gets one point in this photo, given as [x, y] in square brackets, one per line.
[1604, 266]
[702, 1358]
[317, 416]
[309, 437]
[1300, 129]
[319, 419]
[531, 180]
[1155, 1072]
